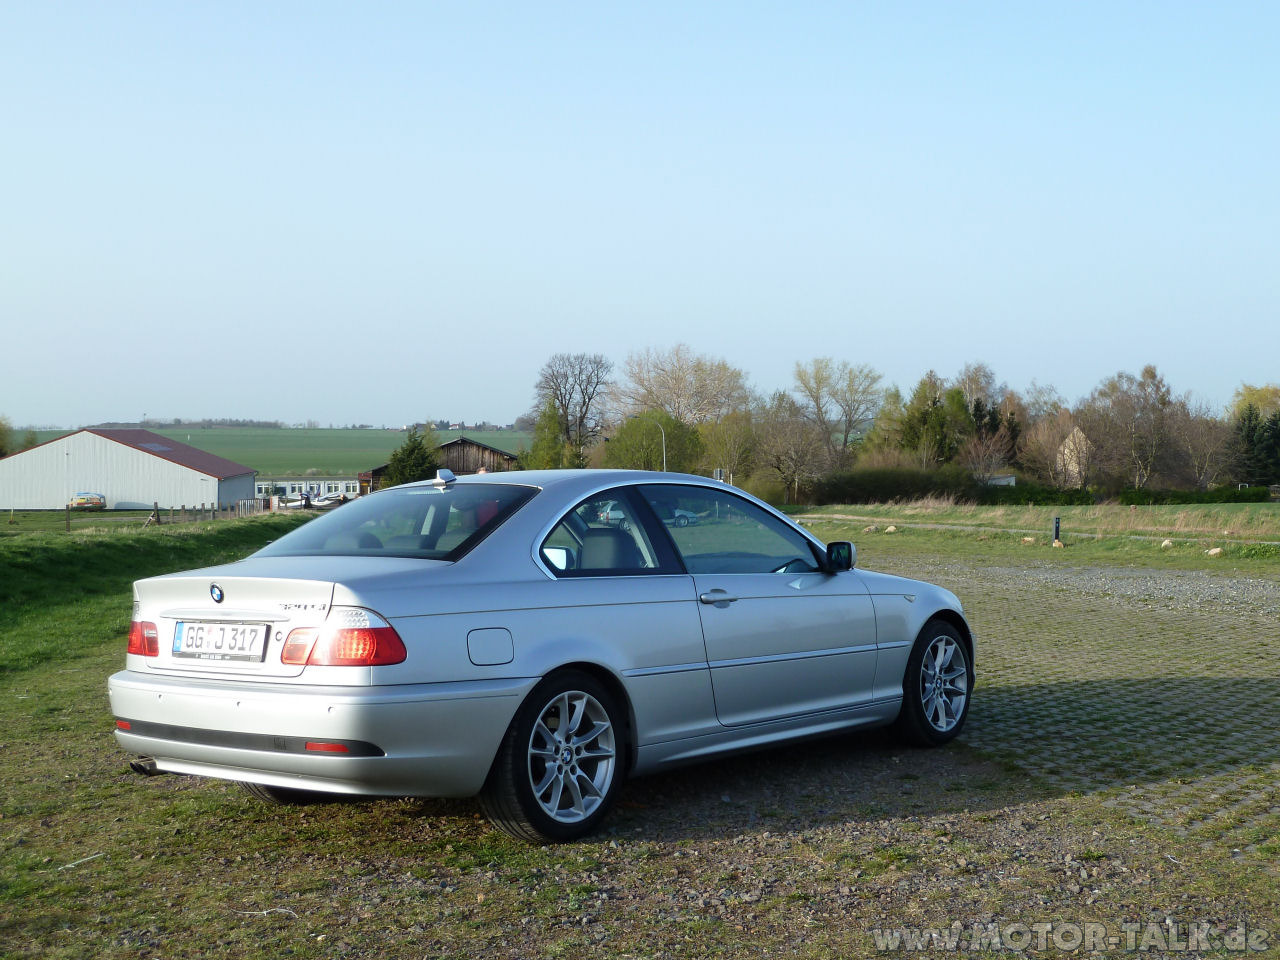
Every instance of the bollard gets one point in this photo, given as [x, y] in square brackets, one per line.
[1057, 528]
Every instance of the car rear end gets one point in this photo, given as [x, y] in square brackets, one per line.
[247, 674]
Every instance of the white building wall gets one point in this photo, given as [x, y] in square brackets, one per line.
[46, 477]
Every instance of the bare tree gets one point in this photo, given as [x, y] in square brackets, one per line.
[575, 384]
[1051, 451]
[986, 453]
[840, 399]
[693, 388]
[1203, 440]
[788, 445]
[977, 381]
[1041, 401]
[1128, 420]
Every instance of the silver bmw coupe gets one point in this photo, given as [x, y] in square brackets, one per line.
[493, 636]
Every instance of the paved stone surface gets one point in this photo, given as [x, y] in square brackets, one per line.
[1158, 690]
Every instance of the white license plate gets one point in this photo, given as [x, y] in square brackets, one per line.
[220, 641]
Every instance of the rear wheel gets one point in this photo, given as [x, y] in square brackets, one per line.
[560, 764]
[937, 687]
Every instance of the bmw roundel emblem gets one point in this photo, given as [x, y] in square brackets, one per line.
[215, 591]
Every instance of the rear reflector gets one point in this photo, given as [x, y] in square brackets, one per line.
[144, 639]
[318, 746]
[123, 725]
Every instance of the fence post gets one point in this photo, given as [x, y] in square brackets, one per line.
[68, 518]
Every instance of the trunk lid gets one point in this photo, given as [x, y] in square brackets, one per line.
[213, 624]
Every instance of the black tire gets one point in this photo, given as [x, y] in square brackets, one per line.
[682, 521]
[937, 687]
[285, 796]
[550, 784]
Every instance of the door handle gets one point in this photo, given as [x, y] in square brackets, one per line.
[716, 597]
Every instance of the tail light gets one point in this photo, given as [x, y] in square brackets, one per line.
[352, 637]
[144, 639]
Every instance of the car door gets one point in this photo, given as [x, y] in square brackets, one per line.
[783, 638]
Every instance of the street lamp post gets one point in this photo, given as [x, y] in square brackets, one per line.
[664, 442]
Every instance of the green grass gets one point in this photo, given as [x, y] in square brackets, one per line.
[994, 546]
[1238, 521]
[65, 593]
[793, 852]
[323, 452]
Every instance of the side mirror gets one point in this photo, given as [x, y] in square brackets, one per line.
[841, 555]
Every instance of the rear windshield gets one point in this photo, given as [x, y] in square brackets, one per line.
[415, 521]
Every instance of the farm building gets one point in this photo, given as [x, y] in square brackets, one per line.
[465, 455]
[295, 486]
[133, 469]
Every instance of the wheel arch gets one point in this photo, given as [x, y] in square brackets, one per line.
[613, 683]
[954, 619]
[617, 689]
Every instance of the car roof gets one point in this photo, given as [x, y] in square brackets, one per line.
[567, 481]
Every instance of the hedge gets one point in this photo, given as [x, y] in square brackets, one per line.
[1225, 494]
[888, 484]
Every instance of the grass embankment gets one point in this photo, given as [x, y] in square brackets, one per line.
[15, 523]
[63, 594]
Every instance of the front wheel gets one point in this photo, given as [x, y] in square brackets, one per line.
[560, 763]
[937, 687]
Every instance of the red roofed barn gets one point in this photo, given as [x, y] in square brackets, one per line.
[133, 469]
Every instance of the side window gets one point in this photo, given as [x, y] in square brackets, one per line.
[717, 532]
[602, 536]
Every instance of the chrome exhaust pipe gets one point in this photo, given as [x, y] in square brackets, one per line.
[145, 766]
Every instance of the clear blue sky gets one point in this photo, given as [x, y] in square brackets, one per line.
[383, 212]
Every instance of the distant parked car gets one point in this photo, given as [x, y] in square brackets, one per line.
[532, 638]
[612, 513]
[88, 501]
[682, 518]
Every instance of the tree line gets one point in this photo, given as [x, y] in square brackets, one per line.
[1133, 431]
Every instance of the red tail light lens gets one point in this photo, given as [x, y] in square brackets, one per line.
[144, 639]
[351, 638]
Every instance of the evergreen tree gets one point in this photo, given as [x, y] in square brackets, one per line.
[415, 459]
[1248, 466]
[1266, 449]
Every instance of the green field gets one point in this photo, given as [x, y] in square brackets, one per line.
[316, 452]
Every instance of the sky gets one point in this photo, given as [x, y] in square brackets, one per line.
[382, 213]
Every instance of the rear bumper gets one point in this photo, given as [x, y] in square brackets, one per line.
[433, 739]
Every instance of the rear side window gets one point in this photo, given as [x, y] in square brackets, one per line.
[415, 521]
[606, 535]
